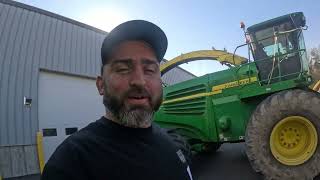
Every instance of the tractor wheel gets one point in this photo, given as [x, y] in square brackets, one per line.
[282, 136]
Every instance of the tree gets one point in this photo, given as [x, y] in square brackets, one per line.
[314, 62]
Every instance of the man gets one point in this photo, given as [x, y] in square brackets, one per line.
[124, 144]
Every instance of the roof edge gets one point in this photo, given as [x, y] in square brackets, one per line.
[164, 60]
[51, 14]
[278, 19]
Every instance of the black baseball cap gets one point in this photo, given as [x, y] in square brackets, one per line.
[135, 30]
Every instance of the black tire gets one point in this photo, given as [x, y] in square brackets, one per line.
[209, 148]
[267, 114]
[181, 143]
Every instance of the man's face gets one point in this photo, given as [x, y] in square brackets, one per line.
[131, 84]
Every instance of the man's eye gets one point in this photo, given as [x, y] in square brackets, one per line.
[150, 70]
[122, 70]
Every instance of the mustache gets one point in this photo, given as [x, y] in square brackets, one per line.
[137, 91]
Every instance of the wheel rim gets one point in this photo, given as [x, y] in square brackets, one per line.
[293, 140]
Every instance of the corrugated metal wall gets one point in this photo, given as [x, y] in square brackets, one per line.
[176, 75]
[32, 39]
[18, 161]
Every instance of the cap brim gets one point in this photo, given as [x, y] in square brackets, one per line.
[135, 30]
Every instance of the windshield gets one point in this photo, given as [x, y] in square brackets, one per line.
[269, 45]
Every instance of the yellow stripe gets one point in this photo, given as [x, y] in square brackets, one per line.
[40, 151]
[234, 84]
[215, 90]
[192, 97]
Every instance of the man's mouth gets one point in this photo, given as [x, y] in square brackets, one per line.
[138, 97]
[138, 100]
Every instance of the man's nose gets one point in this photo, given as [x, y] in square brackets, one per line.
[137, 77]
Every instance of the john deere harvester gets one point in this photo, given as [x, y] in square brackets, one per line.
[262, 100]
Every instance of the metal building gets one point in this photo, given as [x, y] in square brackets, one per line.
[48, 65]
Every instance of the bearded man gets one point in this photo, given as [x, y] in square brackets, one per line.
[124, 143]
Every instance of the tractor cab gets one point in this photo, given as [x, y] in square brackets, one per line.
[278, 48]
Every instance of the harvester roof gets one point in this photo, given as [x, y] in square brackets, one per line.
[297, 18]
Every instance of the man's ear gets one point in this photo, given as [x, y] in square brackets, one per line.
[100, 85]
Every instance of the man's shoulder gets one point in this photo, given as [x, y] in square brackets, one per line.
[160, 132]
[87, 134]
[74, 145]
[69, 153]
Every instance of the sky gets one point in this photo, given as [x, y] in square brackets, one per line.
[190, 25]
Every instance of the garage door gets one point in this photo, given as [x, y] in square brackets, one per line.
[66, 104]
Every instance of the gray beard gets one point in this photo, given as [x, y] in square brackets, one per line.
[136, 118]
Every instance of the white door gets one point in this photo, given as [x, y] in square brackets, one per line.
[66, 104]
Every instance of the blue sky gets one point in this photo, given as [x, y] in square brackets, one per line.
[189, 25]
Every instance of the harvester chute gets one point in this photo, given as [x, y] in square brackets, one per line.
[222, 56]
